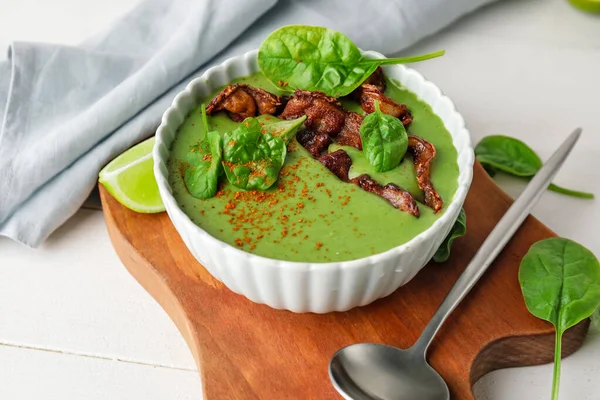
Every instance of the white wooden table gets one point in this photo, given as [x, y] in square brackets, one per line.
[75, 325]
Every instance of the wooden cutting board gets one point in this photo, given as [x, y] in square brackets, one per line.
[249, 351]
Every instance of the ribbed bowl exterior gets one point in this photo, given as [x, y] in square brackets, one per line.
[310, 287]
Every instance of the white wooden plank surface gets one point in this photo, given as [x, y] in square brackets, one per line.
[35, 375]
[525, 68]
[74, 295]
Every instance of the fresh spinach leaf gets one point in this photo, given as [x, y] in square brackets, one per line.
[204, 163]
[491, 171]
[384, 140]
[570, 192]
[252, 159]
[315, 58]
[560, 281]
[509, 155]
[286, 130]
[458, 229]
[512, 156]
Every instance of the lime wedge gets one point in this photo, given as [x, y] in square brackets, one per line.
[587, 5]
[130, 179]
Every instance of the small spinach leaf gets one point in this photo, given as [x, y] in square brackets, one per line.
[458, 229]
[204, 163]
[315, 58]
[512, 156]
[285, 130]
[384, 140]
[251, 159]
[560, 281]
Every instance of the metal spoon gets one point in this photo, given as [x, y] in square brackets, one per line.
[367, 371]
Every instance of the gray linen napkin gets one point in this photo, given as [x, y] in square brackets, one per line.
[66, 111]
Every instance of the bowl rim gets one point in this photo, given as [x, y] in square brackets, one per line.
[464, 179]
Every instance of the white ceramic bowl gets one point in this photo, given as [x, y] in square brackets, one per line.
[310, 287]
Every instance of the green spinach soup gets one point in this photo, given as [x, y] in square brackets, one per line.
[309, 214]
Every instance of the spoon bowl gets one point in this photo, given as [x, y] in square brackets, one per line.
[367, 371]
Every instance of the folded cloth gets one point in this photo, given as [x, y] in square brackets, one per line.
[66, 111]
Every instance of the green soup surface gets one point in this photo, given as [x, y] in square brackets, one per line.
[309, 215]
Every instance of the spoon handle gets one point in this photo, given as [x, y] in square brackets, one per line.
[496, 240]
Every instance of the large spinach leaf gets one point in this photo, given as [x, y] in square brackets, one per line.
[252, 159]
[509, 155]
[316, 58]
[560, 281]
[458, 229]
[384, 140]
[512, 156]
[203, 168]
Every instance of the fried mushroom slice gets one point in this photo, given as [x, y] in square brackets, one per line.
[241, 101]
[423, 153]
[338, 162]
[370, 93]
[394, 194]
[238, 104]
[266, 102]
[350, 134]
[324, 113]
[303, 99]
[315, 143]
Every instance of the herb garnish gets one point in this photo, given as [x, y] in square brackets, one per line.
[252, 159]
[384, 140]
[316, 58]
[458, 229]
[512, 156]
[560, 281]
[286, 130]
[204, 163]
